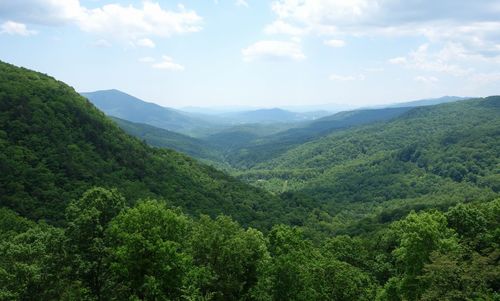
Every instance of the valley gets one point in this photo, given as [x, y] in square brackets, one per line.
[290, 200]
[243, 150]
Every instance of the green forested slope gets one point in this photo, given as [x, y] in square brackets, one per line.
[251, 152]
[124, 245]
[108, 251]
[428, 157]
[122, 105]
[55, 144]
[167, 139]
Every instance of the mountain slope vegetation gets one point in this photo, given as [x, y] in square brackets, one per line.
[124, 106]
[260, 149]
[428, 157]
[363, 213]
[167, 139]
[55, 145]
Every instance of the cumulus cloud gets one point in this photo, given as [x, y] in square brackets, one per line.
[335, 43]
[473, 24]
[167, 63]
[281, 27]
[46, 12]
[145, 43]
[273, 50]
[241, 3]
[14, 28]
[134, 23]
[116, 21]
[444, 61]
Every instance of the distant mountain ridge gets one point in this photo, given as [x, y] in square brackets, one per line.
[168, 139]
[426, 157]
[272, 115]
[425, 102]
[124, 106]
[259, 149]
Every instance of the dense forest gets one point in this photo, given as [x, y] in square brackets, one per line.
[55, 145]
[108, 251]
[430, 157]
[403, 207]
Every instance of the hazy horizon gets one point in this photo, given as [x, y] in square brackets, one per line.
[260, 54]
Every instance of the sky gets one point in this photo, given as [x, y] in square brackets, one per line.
[260, 53]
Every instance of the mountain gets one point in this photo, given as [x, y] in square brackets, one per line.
[55, 145]
[406, 208]
[274, 115]
[124, 106]
[259, 149]
[158, 137]
[331, 108]
[426, 157]
[428, 102]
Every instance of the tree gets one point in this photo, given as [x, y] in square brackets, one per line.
[147, 249]
[288, 271]
[467, 221]
[420, 235]
[234, 257]
[87, 220]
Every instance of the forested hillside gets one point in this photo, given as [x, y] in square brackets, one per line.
[108, 251]
[250, 152]
[406, 207]
[167, 139]
[428, 157]
[55, 145]
[122, 105]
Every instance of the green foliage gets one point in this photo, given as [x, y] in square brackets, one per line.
[87, 220]
[391, 189]
[166, 139]
[429, 157]
[419, 236]
[249, 152]
[153, 252]
[119, 104]
[54, 145]
[147, 254]
[234, 257]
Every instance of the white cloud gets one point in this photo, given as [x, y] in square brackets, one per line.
[145, 42]
[335, 43]
[314, 13]
[273, 50]
[485, 78]
[444, 61]
[473, 24]
[113, 21]
[46, 12]
[337, 77]
[241, 3]
[280, 27]
[426, 79]
[132, 23]
[14, 28]
[168, 63]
